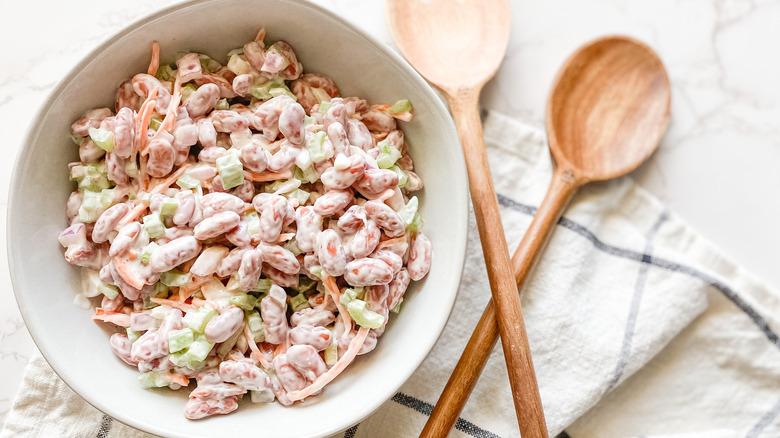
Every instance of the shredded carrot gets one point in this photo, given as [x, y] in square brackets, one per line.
[265, 176]
[256, 351]
[391, 242]
[127, 275]
[154, 64]
[178, 378]
[143, 177]
[187, 290]
[405, 116]
[143, 118]
[115, 318]
[285, 237]
[260, 35]
[280, 349]
[170, 114]
[204, 303]
[341, 365]
[335, 295]
[184, 307]
[382, 108]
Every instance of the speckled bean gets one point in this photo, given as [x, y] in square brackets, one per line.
[174, 253]
[273, 309]
[368, 272]
[332, 202]
[217, 224]
[420, 255]
[331, 254]
[318, 337]
[107, 222]
[222, 326]
[307, 361]
[250, 269]
[385, 218]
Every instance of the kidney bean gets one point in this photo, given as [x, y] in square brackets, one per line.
[309, 225]
[284, 158]
[291, 124]
[124, 133]
[89, 152]
[337, 113]
[280, 258]
[385, 218]
[115, 168]
[353, 219]
[228, 121]
[121, 346]
[126, 237]
[273, 309]
[364, 242]
[307, 361]
[368, 345]
[303, 86]
[332, 202]
[254, 155]
[231, 262]
[222, 326]
[143, 84]
[312, 317]
[281, 278]
[207, 135]
[359, 135]
[250, 269]
[172, 321]
[337, 135]
[112, 305]
[341, 179]
[318, 337]
[420, 255]
[392, 259]
[214, 203]
[147, 348]
[90, 119]
[174, 253]
[374, 182]
[108, 221]
[330, 252]
[379, 121]
[368, 272]
[273, 209]
[161, 155]
[244, 374]
[217, 224]
[127, 97]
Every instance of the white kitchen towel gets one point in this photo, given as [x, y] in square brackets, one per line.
[638, 327]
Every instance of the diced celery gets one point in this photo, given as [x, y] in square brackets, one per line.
[300, 195]
[76, 139]
[110, 291]
[402, 106]
[316, 147]
[168, 206]
[187, 90]
[316, 271]
[309, 175]
[388, 154]
[256, 325]
[132, 335]
[238, 64]
[103, 138]
[91, 207]
[304, 283]
[416, 224]
[363, 316]
[351, 294]
[324, 107]
[155, 122]
[252, 223]
[198, 320]
[225, 347]
[154, 379]
[299, 302]
[184, 360]
[264, 395]
[308, 121]
[332, 354]
[263, 285]
[282, 91]
[199, 349]
[131, 168]
[92, 177]
[166, 73]
[207, 64]
[107, 198]
[408, 211]
[147, 252]
[148, 303]
[230, 170]
[222, 104]
[244, 301]
[322, 96]
[161, 290]
[174, 278]
[262, 90]
[397, 308]
[275, 49]
[160, 312]
[187, 182]
[236, 51]
[292, 246]
[403, 177]
[154, 226]
[178, 340]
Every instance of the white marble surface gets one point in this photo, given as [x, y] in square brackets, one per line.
[717, 166]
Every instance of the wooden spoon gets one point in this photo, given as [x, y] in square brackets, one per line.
[608, 109]
[458, 46]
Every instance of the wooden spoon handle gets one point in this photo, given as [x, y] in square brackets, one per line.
[477, 351]
[464, 106]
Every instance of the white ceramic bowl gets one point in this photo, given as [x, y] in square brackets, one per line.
[45, 285]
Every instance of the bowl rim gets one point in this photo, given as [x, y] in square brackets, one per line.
[460, 195]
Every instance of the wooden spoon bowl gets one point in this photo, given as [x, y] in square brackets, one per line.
[608, 108]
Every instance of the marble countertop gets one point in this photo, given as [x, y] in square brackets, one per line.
[716, 167]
